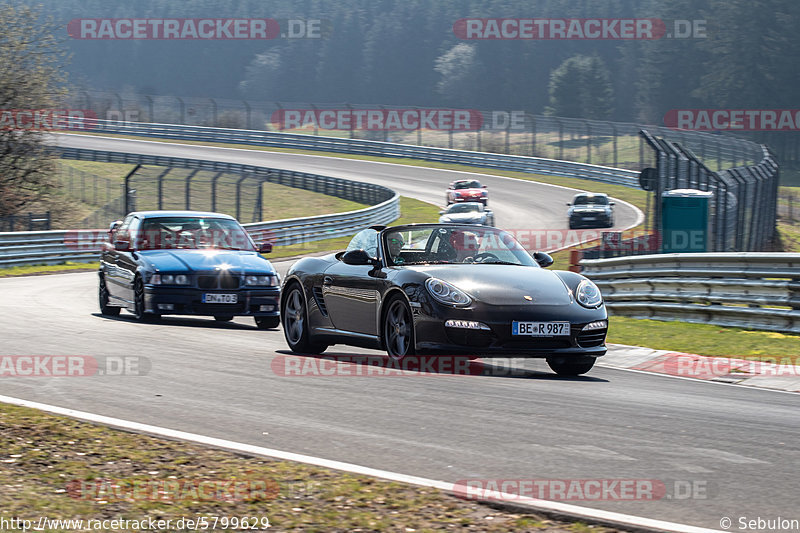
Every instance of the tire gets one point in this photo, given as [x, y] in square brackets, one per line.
[570, 366]
[571, 225]
[106, 309]
[295, 323]
[223, 318]
[138, 301]
[268, 322]
[398, 329]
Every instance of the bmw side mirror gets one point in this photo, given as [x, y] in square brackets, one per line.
[544, 259]
[265, 247]
[113, 226]
[358, 257]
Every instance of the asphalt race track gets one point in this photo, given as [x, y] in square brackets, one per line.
[720, 451]
[517, 204]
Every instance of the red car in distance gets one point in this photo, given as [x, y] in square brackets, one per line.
[467, 191]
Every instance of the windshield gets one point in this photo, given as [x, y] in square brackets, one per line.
[190, 233]
[467, 185]
[468, 207]
[443, 244]
[590, 200]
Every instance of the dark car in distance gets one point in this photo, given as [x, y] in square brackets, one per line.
[444, 289]
[187, 263]
[590, 210]
[466, 191]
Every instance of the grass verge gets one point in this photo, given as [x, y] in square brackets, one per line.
[66, 469]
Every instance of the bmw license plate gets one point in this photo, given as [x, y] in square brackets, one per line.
[210, 298]
[540, 329]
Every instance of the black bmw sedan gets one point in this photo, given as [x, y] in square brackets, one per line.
[187, 263]
[590, 210]
[446, 289]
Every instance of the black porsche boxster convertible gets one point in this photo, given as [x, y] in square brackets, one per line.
[447, 289]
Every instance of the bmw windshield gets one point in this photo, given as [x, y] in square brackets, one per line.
[192, 233]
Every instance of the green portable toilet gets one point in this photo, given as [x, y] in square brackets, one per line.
[684, 220]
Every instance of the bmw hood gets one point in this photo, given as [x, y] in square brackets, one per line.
[504, 284]
[207, 260]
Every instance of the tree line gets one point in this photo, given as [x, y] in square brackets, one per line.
[405, 52]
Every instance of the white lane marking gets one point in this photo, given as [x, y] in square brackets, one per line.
[572, 510]
[722, 455]
[693, 469]
[597, 452]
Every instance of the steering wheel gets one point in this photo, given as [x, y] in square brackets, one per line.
[482, 257]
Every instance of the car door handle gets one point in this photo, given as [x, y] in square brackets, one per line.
[327, 280]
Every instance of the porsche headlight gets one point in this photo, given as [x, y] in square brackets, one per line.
[447, 293]
[588, 295]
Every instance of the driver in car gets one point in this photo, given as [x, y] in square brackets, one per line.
[396, 243]
[465, 245]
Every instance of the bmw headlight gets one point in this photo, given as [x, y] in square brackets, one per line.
[262, 280]
[169, 279]
[447, 293]
[588, 295]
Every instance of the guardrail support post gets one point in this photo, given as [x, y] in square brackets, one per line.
[126, 193]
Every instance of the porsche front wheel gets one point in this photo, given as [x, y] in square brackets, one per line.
[295, 323]
[398, 329]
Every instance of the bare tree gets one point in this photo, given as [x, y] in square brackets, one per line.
[31, 79]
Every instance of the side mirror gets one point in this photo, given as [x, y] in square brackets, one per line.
[441, 212]
[358, 257]
[483, 186]
[569, 203]
[122, 246]
[265, 247]
[612, 203]
[113, 226]
[543, 259]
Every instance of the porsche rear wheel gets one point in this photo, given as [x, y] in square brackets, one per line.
[570, 366]
[106, 309]
[295, 323]
[398, 329]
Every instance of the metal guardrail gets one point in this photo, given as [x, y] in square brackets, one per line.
[52, 247]
[747, 290]
[296, 141]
